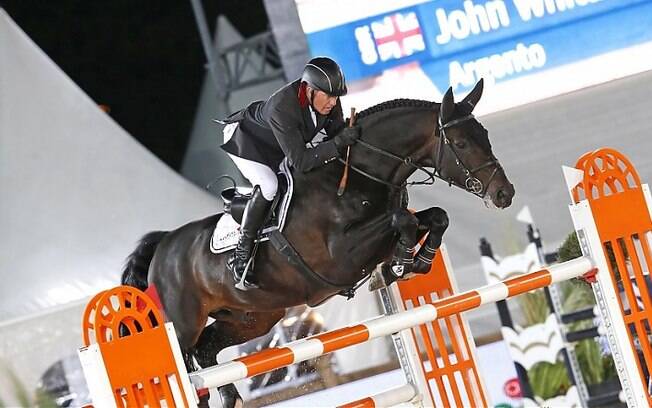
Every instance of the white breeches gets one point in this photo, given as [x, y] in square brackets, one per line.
[257, 173]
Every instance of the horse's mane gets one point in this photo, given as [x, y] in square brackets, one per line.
[396, 103]
[482, 138]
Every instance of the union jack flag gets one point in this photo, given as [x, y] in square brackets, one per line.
[397, 36]
[392, 37]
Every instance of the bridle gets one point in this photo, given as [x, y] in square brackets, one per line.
[472, 184]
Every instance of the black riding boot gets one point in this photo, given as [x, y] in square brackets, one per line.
[253, 218]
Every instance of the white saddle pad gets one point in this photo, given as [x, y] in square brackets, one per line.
[226, 234]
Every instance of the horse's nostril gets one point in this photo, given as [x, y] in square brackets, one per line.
[503, 198]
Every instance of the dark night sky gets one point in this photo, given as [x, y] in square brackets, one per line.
[142, 59]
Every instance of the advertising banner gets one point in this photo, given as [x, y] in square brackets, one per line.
[455, 43]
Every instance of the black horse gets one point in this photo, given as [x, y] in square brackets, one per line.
[341, 239]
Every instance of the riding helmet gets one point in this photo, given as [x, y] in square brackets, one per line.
[326, 75]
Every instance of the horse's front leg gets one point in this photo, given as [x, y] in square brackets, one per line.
[433, 221]
[405, 224]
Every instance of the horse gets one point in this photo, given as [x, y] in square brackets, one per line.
[342, 239]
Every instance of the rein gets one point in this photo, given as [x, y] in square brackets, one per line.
[405, 160]
[471, 184]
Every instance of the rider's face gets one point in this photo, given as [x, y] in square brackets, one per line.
[323, 102]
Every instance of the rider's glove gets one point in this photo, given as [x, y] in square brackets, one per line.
[347, 137]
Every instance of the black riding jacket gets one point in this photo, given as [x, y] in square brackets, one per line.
[279, 127]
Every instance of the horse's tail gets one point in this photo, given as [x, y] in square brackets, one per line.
[137, 264]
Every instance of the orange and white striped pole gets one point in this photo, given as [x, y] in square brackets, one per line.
[388, 398]
[312, 347]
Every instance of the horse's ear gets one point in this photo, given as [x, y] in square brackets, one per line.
[474, 96]
[447, 106]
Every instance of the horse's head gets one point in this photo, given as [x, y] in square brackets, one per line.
[463, 155]
[405, 135]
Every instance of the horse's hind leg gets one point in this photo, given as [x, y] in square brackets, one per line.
[185, 310]
[237, 328]
[434, 220]
[210, 343]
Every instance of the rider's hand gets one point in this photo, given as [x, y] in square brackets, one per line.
[347, 137]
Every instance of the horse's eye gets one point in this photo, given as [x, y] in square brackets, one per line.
[461, 144]
[365, 203]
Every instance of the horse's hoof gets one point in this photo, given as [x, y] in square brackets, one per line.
[376, 281]
[408, 276]
[203, 401]
[230, 396]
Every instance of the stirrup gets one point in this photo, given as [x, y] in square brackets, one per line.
[242, 284]
[241, 281]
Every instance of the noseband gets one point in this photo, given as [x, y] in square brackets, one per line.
[472, 184]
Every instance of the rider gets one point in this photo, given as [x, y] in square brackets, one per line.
[290, 123]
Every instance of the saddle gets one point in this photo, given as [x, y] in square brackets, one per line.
[227, 231]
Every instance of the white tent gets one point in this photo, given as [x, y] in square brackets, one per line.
[77, 193]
